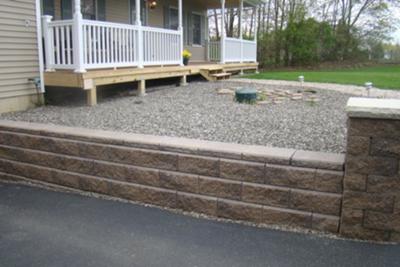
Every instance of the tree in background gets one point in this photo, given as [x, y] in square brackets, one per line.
[308, 32]
[392, 53]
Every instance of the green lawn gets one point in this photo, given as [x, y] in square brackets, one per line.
[384, 77]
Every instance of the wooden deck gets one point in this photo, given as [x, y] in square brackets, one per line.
[90, 80]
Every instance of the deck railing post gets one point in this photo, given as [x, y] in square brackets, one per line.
[180, 28]
[77, 37]
[256, 30]
[223, 35]
[140, 34]
[48, 39]
[241, 32]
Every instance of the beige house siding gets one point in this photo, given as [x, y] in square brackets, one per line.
[156, 16]
[117, 11]
[19, 57]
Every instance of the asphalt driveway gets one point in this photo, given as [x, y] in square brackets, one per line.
[45, 228]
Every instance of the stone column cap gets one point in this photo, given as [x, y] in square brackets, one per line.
[374, 108]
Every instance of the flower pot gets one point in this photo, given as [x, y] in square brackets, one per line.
[185, 61]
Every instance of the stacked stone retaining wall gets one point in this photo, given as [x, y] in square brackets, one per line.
[250, 183]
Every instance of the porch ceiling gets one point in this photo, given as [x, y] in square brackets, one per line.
[210, 4]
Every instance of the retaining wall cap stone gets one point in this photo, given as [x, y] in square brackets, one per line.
[272, 155]
[374, 108]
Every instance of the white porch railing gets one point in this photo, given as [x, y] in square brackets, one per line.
[161, 46]
[108, 45]
[232, 50]
[59, 47]
[236, 50]
[249, 49]
[214, 50]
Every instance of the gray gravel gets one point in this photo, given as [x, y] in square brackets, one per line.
[198, 112]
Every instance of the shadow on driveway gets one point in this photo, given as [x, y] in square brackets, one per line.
[46, 228]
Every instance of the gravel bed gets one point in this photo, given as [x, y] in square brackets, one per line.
[196, 111]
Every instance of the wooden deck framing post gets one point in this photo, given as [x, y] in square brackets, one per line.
[184, 80]
[91, 96]
[142, 88]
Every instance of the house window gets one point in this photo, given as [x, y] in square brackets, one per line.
[88, 9]
[48, 7]
[66, 9]
[143, 12]
[173, 19]
[196, 27]
[91, 9]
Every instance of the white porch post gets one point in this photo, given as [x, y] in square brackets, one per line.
[241, 32]
[138, 22]
[223, 35]
[180, 27]
[78, 38]
[255, 29]
[48, 43]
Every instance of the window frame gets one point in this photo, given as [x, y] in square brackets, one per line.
[193, 14]
[169, 17]
[96, 16]
[144, 15]
[96, 11]
[43, 9]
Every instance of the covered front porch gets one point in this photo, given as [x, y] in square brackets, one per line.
[85, 53]
[81, 44]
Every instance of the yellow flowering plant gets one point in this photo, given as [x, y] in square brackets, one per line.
[186, 54]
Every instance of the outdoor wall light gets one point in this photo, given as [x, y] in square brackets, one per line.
[152, 4]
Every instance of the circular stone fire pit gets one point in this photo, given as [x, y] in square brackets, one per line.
[246, 95]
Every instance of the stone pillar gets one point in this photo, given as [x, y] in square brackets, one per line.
[371, 197]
